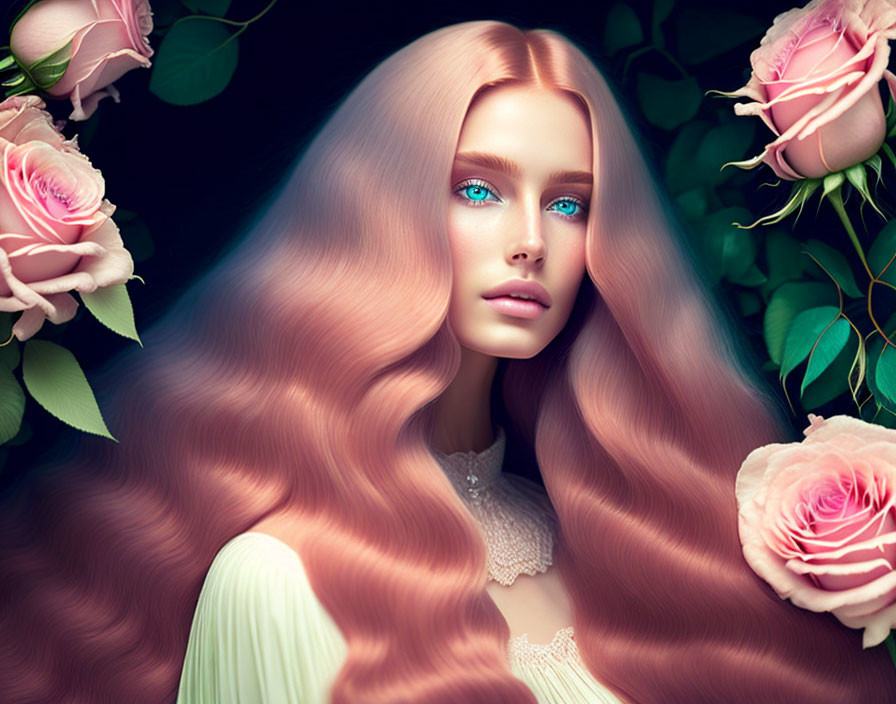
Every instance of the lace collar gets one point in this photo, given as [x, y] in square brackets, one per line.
[515, 516]
[472, 472]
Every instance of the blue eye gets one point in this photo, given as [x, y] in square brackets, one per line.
[474, 192]
[569, 208]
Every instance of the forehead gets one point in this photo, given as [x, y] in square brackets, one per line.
[529, 123]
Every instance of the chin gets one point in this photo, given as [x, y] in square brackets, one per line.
[525, 346]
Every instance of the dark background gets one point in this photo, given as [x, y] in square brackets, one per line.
[196, 175]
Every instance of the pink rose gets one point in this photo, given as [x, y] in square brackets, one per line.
[817, 521]
[23, 119]
[108, 40]
[56, 234]
[815, 82]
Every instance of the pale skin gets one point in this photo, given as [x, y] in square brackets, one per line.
[529, 223]
[526, 225]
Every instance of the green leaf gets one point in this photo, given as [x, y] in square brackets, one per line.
[165, 13]
[12, 405]
[721, 144]
[111, 305]
[54, 378]
[680, 172]
[195, 62]
[622, 29]
[661, 10]
[785, 263]
[9, 353]
[885, 418]
[668, 104]
[881, 252]
[751, 277]
[704, 33]
[885, 372]
[828, 347]
[803, 334]
[212, 7]
[835, 264]
[790, 299]
[23, 436]
[693, 203]
[885, 392]
[833, 382]
[730, 251]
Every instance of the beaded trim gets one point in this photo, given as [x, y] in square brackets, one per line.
[561, 648]
[516, 518]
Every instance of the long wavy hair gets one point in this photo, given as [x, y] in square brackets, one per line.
[297, 378]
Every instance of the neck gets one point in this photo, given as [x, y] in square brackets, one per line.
[463, 412]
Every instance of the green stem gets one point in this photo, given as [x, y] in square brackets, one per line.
[225, 21]
[674, 62]
[891, 646]
[837, 202]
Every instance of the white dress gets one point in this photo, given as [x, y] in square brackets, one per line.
[260, 634]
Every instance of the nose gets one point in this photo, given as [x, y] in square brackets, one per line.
[526, 244]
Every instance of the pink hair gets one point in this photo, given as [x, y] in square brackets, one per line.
[297, 378]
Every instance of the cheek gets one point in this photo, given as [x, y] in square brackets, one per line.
[571, 264]
[467, 241]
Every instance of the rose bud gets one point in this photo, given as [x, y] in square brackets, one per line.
[108, 39]
[815, 82]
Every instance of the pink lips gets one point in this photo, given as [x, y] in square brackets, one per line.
[521, 287]
[500, 298]
[516, 308]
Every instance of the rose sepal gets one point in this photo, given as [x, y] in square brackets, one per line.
[890, 117]
[19, 84]
[799, 194]
[46, 72]
[41, 75]
[833, 182]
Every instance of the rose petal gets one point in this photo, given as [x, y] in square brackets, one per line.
[837, 425]
[83, 109]
[117, 265]
[28, 323]
[62, 308]
[752, 471]
[877, 626]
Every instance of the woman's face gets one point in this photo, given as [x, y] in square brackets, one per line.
[520, 190]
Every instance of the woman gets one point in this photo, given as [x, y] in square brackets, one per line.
[306, 390]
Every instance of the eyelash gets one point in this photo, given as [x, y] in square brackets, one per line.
[461, 187]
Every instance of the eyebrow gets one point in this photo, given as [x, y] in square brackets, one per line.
[511, 168]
